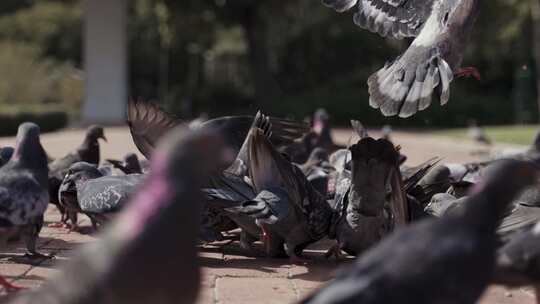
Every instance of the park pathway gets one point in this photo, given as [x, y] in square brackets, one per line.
[229, 274]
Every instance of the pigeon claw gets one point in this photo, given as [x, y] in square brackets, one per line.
[334, 251]
[469, 72]
[8, 286]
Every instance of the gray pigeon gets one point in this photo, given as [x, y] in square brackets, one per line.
[23, 191]
[129, 165]
[148, 254]
[88, 151]
[441, 29]
[5, 155]
[288, 209]
[518, 261]
[446, 260]
[366, 213]
[86, 190]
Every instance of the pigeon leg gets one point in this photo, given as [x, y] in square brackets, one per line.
[468, 72]
[30, 235]
[265, 239]
[8, 286]
[334, 251]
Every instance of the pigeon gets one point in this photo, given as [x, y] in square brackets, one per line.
[441, 30]
[518, 261]
[317, 170]
[446, 260]
[86, 190]
[23, 192]
[361, 199]
[130, 164]
[289, 211]
[151, 242]
[477, 134]
[88, 151]
[5, 155]
[148, 122]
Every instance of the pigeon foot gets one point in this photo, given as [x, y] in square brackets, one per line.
[38, 255]
[468, 72]
[334, 251]
[8, 286]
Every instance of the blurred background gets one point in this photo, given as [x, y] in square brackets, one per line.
[66, 61]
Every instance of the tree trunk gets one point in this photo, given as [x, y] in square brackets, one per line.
[267, 89]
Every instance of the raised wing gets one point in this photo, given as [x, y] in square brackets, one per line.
[147, 123]
[396, 18]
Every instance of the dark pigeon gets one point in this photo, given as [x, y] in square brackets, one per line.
[5, 155]
[152, 241]
[446, 260]
[88, 152]
[148, 122]
[366, 214]
[85, 190]
[23, 191]
[518, 261]
[129, 165]
[441, 29]
[230, 189]
[288, 209]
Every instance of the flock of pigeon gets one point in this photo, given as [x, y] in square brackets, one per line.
[434, 233]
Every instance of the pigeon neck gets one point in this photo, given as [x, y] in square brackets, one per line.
[32, 156]
[89, 150]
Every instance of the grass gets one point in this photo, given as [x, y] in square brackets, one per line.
[522, 134]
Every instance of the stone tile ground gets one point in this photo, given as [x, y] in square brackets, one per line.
[229, 274]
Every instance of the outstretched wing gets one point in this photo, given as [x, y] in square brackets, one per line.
[147, 123]
[397, 18]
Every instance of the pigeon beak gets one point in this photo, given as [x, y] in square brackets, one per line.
[104, 138]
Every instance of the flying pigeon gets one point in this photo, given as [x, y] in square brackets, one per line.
[441, 30]
[88, 151]
[446, 260]
[148, 122]
[86, 190]
[23, 191]
[148, 254]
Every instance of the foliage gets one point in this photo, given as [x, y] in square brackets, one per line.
[286, 57]
[48, 118]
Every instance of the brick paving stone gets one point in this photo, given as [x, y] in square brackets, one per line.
[12, 270]
[501, 295]
[41, 273]
[254, 290]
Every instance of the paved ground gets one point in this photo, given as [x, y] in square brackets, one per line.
[230, 275]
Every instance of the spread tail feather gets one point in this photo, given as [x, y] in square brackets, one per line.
[404, 87]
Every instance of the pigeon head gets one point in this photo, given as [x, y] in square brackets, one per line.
[132, 162]
[456, 13]
[77, 174]
[28, 150]
[95, 132]
[320, 121]
[5, 154]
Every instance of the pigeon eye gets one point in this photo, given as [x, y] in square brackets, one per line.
[446, 16]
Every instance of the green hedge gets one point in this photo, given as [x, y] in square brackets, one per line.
[48, 120]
